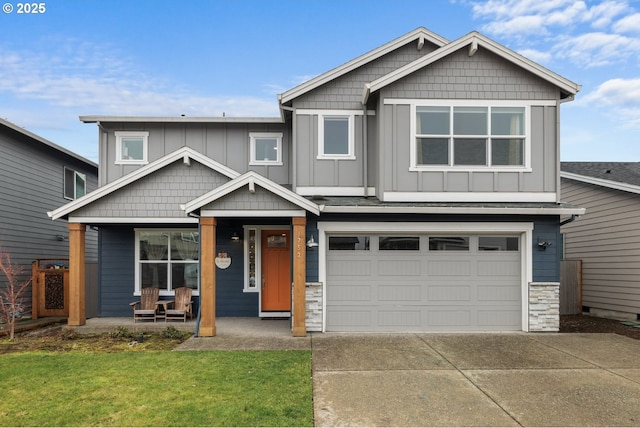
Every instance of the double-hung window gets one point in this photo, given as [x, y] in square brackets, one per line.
[131, 147]
[75, 184]
[470, 136]
[336, 136]
[167, 259]
[265, 148]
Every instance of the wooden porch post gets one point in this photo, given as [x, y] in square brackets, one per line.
[299, 327]
[77, 314]
[208, 276]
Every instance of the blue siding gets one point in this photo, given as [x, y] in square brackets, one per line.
[116, 270]
[546, 263]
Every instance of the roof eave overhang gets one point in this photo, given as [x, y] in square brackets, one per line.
[178, 119]
[452, 210]
[610, 184]
[420, 34]
[474, 40]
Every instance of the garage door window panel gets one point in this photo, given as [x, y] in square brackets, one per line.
[498, 243]
[399, 243]
[448, 243]
[349, 243]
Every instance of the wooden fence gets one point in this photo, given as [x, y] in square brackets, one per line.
[570, 287]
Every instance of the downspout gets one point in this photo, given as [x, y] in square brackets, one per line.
[573, 218]
[365, 151]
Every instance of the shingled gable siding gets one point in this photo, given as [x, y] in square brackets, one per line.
[345, 92]
[158, 194]
[243, 199]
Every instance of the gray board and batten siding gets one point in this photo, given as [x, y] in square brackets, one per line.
[32, 177]
[607, 240]
[225, 142]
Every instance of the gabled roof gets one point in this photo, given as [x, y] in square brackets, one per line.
[185, 154]
[420, 34]
[473, 40]
[250, 179]
[623, 176]
[46, 142]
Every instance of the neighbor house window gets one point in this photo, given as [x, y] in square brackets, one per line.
[75, 184]
[167, 259]
[336, 136]
[470, 136]
[265, 148]
[131, 147]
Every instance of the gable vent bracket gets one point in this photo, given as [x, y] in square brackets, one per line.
[420, 42]
[473, 48]
[186, 160]
[252, 186]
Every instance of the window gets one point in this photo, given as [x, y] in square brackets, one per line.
[75, 184]
[448, 243]
[498, 243]
[131, 147]
[469, 136]
[167, 259]
[349, 243]
[266, 148]
[399, 243]
[251, 268]
[336, 136]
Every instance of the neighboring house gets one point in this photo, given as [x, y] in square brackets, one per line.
[36, 176]
[607, 237]
[418, 184]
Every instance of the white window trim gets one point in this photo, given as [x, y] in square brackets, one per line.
[413, 164]
[145, 147]
[137, 288]
[253, 136]
[350, 116]
[75, 190]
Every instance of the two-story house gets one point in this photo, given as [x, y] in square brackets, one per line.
[418, 184]
[37, 175]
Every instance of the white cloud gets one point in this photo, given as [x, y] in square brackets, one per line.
[596, 49]
[96, 81]
[628, 24]
[620, 98]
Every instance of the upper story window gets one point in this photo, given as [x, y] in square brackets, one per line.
[469, 136]
[266, 148]
[131, 147]
[75, 184]
[336, 136]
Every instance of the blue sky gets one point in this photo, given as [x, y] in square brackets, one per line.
[203, 58]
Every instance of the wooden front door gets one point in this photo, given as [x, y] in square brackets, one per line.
[276, 271]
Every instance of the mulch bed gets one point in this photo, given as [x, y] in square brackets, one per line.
[591, 324]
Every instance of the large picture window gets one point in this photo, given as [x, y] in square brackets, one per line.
[167, 259]
[470, 136]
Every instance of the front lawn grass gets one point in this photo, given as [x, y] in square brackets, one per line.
[213, 388]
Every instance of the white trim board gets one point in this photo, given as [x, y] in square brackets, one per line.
[625, 187]
[487, 197]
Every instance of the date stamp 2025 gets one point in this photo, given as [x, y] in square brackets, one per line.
[24, 8]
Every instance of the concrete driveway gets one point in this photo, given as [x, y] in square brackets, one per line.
[476, 380]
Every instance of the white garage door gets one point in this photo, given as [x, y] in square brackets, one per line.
[385, 282]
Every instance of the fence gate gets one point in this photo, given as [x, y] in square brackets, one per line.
[570, 287]
[50, 295]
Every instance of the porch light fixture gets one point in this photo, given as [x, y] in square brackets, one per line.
[543, 244]
[311, 243]
[235, 237]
